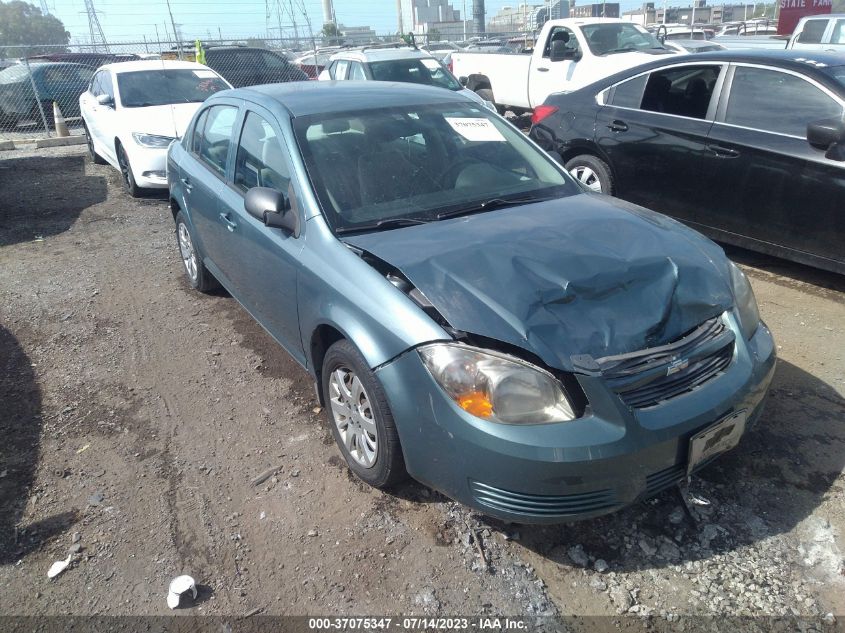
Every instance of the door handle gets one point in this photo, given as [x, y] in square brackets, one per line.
[542, 69]
[229, 224]
[618, 126]
[722, 152]
[187, 183]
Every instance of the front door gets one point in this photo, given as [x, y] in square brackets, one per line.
[261, 262]
[548, 76]
[654, 131]
[776, 188]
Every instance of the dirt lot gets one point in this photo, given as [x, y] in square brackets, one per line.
[135, 415]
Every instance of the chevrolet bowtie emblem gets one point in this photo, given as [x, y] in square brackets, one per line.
[677, 365]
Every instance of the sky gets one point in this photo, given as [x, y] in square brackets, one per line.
[131, 20]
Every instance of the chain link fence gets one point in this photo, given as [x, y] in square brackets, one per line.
[37, 82]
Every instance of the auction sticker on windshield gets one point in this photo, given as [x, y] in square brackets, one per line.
[475, 129]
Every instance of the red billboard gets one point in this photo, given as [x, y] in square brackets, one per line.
[793, 10]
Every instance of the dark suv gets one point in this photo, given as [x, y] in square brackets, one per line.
[243, 66]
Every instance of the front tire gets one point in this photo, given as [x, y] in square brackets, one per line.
[360, 417]
[132, 187]
[592, 172]
[92, 153]
[198, 275]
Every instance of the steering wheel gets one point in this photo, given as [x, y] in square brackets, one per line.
[453, 171]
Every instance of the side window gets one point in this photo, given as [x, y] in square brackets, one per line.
[774, 101]
[838, 35]
[356, 72]
[684, 91]
[561, 33]
[261, 157]
[106, 84]
[629, 94]
[96, 89]
[217, 136]
[196, 139]
[340, 69]
[812, 32]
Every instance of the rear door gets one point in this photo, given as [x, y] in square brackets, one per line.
[203, 179]
[773, 187]
[261, 262]
[654, 131]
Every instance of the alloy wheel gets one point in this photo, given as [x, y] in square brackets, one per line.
[587, 177]
[189, 255]
[123, 161]
[353, 416]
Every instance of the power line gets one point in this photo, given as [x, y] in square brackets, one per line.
[96, 30]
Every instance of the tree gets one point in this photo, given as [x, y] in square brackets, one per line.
[331, 34]
[23, 24]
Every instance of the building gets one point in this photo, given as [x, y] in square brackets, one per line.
[698, 13]
[357, 34]
[421, 16]
[513, 19]
[601, 10]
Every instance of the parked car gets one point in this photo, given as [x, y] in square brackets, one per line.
[404, 65]
[59, 82]
[746, 146]
[92, 59]
[569, 54]
[439, 50]
[312, 65]
[693, 46]
[244, 66]
[133, 110]
[813, 33]
[470, 314]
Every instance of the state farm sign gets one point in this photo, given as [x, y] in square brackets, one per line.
[793, 10]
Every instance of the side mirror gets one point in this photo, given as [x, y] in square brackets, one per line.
[561, 52]
[273, 208]
[105, 100]
[825, 133]
[464, 81]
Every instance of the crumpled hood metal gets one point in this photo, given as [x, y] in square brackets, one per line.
[581, 275]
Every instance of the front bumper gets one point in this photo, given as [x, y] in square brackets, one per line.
[552, 473]
[148, 164]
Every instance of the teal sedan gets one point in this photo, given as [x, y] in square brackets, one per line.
[471, 315]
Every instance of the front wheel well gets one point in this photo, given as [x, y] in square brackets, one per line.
[321, 340]
[174, 207]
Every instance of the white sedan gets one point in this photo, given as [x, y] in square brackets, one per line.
[132, 111]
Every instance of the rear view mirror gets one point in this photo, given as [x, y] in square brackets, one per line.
[105, 100]
[273, 208]
[560, 52]
[828, 135]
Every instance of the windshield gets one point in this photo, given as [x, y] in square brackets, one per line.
[614, 37]
[13, 74]
[414, 163]
[418, 71]
[144, 88]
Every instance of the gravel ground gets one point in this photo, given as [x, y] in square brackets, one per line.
[138, 415]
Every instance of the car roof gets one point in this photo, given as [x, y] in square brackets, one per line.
[303, 98]
[793, 59]
[152, 64]
[380, 54]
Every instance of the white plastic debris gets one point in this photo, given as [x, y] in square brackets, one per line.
[178, 586]
[58, 567]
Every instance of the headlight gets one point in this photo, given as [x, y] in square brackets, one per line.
[496, 387]
[152, 140]
[746, 303]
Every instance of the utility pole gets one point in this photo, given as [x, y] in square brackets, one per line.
[94, 27]
[465, 20]
[175, 36]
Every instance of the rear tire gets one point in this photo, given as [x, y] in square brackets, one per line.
[591, 172]
[360, 417]
[48, 114]
[487, 95]
[198, 275]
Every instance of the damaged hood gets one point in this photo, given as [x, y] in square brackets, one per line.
[584, 275]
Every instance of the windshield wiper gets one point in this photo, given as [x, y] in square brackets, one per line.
[489, 205]
[390, 223]
[626, 49]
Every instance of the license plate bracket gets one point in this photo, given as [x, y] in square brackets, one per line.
[716, 439]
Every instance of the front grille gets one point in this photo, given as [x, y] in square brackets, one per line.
[542, 505]
[663, 479]
[645, 379]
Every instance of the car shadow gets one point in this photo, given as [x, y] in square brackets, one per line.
[815, 277]
[778, 475]
[44, 196]
[20, 428]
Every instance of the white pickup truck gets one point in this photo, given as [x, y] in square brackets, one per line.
[817, 33]
[567, 55]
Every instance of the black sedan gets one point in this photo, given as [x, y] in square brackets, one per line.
[745, 146]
